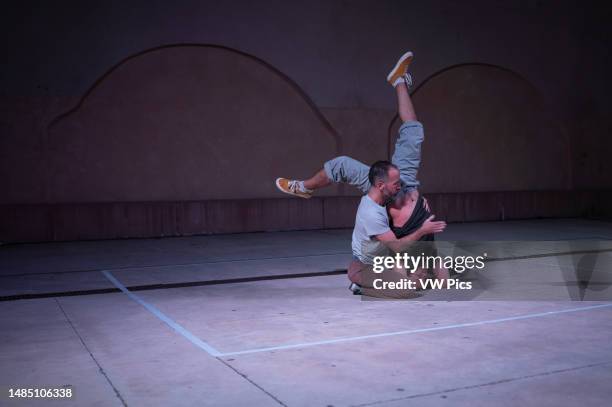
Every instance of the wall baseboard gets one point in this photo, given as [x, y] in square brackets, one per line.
[115, 220]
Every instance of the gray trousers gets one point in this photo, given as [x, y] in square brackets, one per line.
[407, 158]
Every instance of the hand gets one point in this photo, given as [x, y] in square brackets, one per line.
[426, 204]
[431, 226]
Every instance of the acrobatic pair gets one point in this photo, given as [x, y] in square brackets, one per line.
[392, 216]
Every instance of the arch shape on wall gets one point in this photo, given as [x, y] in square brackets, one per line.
[282, 75]
[186, 122]
[487, 128]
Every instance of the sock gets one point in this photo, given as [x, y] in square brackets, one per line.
[407, 79]
[398, 81]
[302, 188]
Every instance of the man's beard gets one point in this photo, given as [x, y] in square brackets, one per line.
[390, 199]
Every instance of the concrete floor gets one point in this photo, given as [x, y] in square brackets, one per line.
[303, 340]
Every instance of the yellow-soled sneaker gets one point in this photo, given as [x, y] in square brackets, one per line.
[293, 187]
[400, 69]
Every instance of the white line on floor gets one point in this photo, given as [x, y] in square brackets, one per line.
[414, 331]
[214, 352]
[174, 325]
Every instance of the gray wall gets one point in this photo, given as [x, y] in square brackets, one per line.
[338, 53]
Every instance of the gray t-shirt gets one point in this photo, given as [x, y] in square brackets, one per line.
[371, 220]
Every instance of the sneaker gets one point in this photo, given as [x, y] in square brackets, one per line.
[401, 68]
[355, 288]
[407, 79]
[292, 187]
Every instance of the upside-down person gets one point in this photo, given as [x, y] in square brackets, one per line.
[392, 215]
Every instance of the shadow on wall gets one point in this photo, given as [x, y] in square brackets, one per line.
[487, 129]
[186, 122]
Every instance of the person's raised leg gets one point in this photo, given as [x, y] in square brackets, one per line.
[407, 154]
[405, 108]
[401, 80]
[341, 169]
[319, 180]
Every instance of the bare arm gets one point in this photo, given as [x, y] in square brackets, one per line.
[400, 245]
